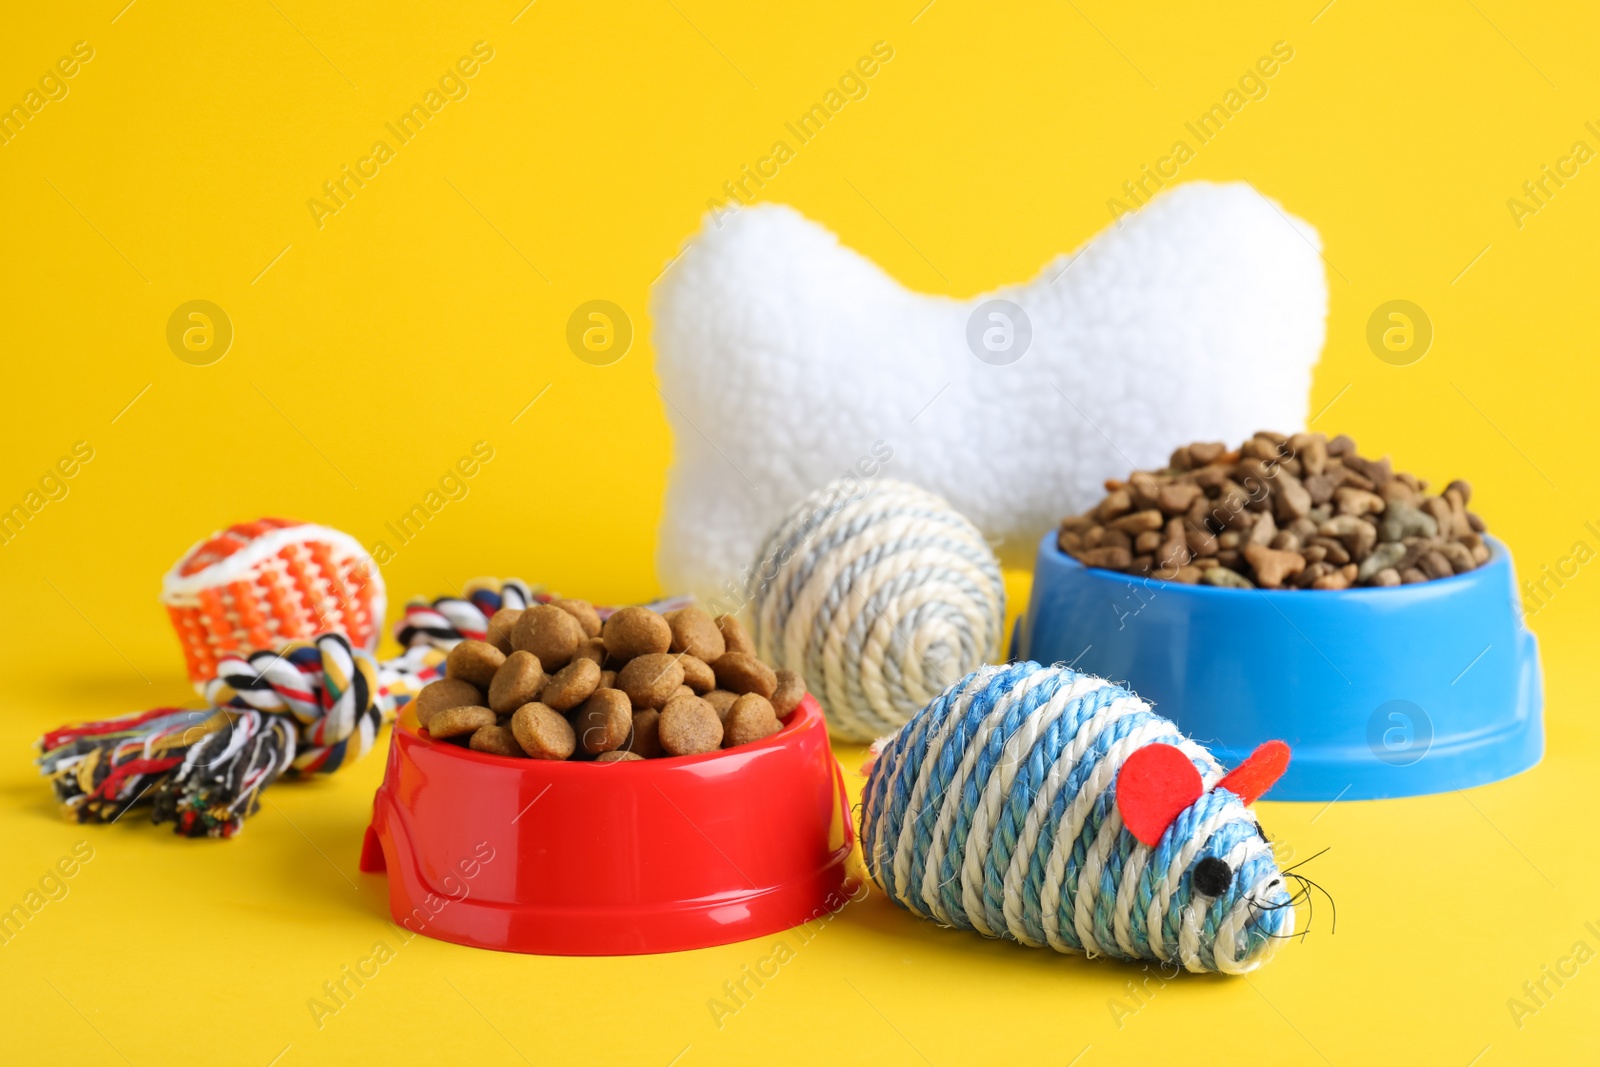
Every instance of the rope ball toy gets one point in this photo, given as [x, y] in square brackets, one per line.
[1056, 809]
[879, 595]
[278, 621]
[259, 584]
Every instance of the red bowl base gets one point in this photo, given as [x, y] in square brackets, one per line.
[612, 858]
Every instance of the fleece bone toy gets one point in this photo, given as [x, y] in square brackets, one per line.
[1055, 808]
[787, 360]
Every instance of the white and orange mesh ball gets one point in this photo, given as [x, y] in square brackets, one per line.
[259, 584]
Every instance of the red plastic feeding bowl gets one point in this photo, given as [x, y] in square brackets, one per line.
[596, 859]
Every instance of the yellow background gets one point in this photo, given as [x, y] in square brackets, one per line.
[428, 312]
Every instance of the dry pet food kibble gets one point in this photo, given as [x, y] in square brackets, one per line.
[791, 687]
[555, 682]
[571, 685]
[445, 693]
[602, 722]
[496, 740]
[592, 648]
[688, 726]
[647, 733]
[584, 612]
[475, 662]
[518, 681]
[651, 680]
[1279, 512]
[543, 733]
[634, 632]
[733, 635]
[501, 626]
[455, 722]
[741, 672]
[721, 701]
[695, 632]
[750, 719]
[698, 675]
[549, 633]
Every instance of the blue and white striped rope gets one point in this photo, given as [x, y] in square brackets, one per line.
[879, 595]
[994, 810]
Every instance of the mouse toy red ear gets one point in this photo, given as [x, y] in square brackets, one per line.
[1154, 785]
[1256, 775]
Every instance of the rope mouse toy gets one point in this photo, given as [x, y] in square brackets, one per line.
[1056, 809]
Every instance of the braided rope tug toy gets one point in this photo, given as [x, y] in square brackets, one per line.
[1056, 809]
[879, 595]
[307, 707]
[302, 702]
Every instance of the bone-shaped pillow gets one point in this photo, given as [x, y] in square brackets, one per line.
[787, 360]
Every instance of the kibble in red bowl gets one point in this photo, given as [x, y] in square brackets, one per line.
[496, 762]
[552, 682]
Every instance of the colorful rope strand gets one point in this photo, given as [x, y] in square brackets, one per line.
[305, 707]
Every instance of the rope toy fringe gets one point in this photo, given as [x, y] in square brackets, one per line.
[307, 707]
[879, 595]
[996, 809]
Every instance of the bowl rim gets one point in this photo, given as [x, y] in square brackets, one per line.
[803, 715]
[1498, 557]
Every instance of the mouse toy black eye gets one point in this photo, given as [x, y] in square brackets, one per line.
[1212, 877]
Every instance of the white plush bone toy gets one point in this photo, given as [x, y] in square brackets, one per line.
[788, 360]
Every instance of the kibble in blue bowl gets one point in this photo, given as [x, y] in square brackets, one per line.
[1291, 588]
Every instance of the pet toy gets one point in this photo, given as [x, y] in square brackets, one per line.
[879, 595]
[1056, 809]
[278, 621]
[303, 707]
[791, 360]
[259, 584]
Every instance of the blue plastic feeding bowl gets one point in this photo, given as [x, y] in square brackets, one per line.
[1380, 692]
